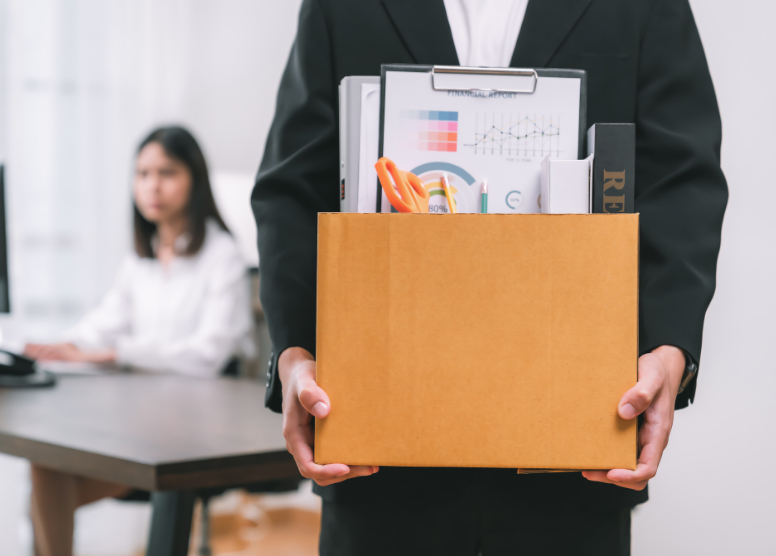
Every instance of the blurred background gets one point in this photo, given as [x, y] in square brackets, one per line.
[82, 81]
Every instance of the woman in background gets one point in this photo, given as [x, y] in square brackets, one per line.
[180, 304]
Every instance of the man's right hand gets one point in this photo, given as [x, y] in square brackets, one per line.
[302, 399]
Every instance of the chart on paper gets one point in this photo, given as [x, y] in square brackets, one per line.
[430, 130]
[474, 137]
[515, 134]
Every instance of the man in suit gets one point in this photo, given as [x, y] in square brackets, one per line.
[646, 65]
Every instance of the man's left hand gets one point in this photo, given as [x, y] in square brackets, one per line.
[660, 373]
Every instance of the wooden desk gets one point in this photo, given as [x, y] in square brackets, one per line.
[166, 434]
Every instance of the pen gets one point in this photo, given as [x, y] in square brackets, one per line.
[449, 194]
[484, 197]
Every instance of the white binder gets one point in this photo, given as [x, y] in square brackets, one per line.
[359, 104]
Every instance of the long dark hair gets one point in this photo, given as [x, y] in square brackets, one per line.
[179, 144]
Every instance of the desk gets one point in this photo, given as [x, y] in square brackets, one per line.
[166, 434]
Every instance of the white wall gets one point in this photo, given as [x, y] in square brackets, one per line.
[714, 494]
[240, 48]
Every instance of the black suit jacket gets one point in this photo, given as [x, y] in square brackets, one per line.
[645, 64]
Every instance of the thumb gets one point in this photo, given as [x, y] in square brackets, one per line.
[314, 399]
[636, 400]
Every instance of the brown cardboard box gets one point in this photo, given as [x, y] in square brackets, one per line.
[477, 340]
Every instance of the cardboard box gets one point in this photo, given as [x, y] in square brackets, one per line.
[477, 340]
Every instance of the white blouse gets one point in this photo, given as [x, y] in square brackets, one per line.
[189, 318]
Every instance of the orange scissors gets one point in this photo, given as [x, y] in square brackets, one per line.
[412, 194]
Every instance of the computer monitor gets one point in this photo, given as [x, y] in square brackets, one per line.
[5, 303]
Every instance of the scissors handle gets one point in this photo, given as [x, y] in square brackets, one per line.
[412, 196]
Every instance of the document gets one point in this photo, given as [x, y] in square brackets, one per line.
[476, 135]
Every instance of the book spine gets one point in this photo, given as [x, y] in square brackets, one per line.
[614, 162]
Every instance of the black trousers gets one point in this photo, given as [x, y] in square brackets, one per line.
[485, 519]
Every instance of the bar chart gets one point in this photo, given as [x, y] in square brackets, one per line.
[429, 130]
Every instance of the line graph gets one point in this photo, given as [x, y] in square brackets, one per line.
[516, 134]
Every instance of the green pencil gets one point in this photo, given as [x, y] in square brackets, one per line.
[484, 197]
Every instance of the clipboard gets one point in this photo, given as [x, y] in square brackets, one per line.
[475, 124]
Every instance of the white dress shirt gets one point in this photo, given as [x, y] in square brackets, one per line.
[189, 318]
[485, 31]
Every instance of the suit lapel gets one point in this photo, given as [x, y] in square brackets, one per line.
[546, 24]
[423, 26]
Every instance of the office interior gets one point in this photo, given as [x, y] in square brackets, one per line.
[82, 82]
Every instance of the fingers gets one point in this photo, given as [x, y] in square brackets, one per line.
[355, 471]
[596, 476]
[47, 353]
[636, 400]
[299, 435]
[646, 469]
[303, 455]
[32, 350]
[54, 352]
[39, 351]
[302, 398]
[652, 390]
[601, 477]
[324, 475]
[313, 398]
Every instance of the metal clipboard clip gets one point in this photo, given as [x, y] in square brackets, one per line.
[487, 80]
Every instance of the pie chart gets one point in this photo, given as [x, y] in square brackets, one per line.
[462, 183]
